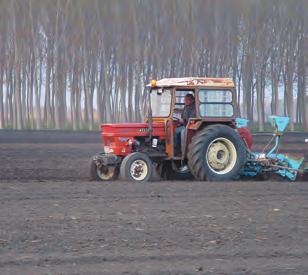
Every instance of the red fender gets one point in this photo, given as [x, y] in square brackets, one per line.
[246, 136]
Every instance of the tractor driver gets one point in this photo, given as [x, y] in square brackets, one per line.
[188, 112]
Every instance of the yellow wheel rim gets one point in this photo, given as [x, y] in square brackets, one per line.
[221, 156]
[106, 173]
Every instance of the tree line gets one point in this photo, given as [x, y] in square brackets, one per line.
[77, 63]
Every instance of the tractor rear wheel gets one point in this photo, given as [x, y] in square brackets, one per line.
[216, 153]
[103, 173]
[136, 167]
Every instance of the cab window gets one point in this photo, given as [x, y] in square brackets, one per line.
[179, 101]
[215, 103]
[160, 102]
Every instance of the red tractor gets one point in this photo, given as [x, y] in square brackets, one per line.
[213, 147]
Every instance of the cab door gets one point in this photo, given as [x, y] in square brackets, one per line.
[169, 137]
[178, 108]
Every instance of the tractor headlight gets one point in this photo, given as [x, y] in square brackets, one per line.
[108, 150]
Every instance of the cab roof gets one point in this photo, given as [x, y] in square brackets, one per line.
[194, 81]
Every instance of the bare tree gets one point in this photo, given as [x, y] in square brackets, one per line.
[78, 63]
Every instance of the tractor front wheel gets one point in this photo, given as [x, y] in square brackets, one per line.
[216, 153]
[136, 167]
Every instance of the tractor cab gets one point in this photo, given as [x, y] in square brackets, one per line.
[214, 102]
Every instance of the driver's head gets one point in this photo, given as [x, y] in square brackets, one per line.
[189, 99]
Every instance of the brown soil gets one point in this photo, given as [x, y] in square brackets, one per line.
[54, 221]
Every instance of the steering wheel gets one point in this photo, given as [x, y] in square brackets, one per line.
[175, 118]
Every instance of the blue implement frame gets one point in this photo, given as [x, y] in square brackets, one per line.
[259, 164]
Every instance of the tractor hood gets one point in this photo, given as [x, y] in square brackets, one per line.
[130, 130]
